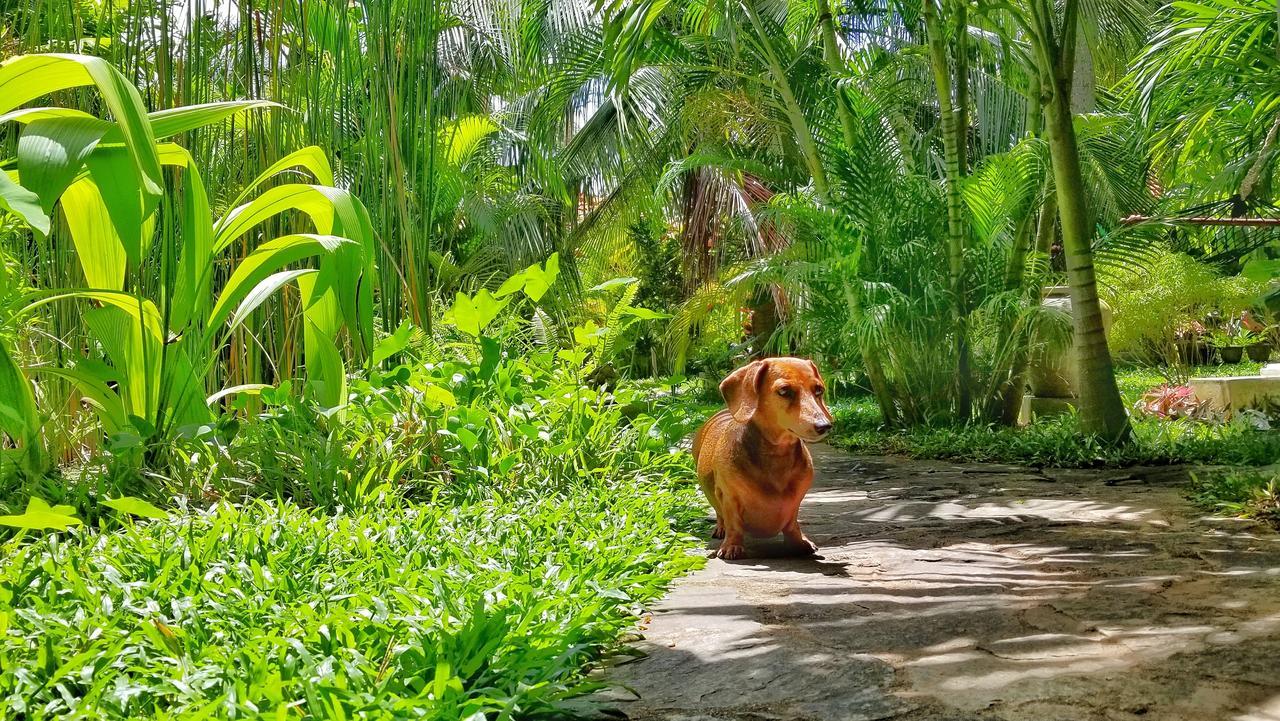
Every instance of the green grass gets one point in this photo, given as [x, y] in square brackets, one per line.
[421, 610]
[1059, 442]
[1246, 492]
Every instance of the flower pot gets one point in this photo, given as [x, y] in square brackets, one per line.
[1231, 353]
[1258, 352]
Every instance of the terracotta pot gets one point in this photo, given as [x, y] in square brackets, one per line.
[1258, 352]
[1231, 353]
[1052, 372]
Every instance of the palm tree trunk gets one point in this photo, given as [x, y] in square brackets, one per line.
[954, 140]
[1102, 410]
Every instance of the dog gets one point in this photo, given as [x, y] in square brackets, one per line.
[751, 458]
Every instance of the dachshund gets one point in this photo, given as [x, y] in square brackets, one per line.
[752, 461]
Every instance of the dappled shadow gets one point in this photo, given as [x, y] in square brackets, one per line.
[943, 593]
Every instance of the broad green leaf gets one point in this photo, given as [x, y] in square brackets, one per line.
[513, 284]
[468, 439]
[26, 77]
[262, 291]
[170, 122]
[143, 311]
[311, 159]
[472, 314]
[52, 151]
[22, 420]
[540, 279]
[1261, 270]
[94, 390]
[98, 247]
[135, 355]
[124, 200]
[321, 320]
[30, 115]
[437, 397]
[612, 283]
[643, 313]
[39, 516]
[135, 507]
[190, 294]
[22, 203]
[260, 265]
[394, 343]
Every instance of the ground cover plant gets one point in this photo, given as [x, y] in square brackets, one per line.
[1061, 442]
[467, 541]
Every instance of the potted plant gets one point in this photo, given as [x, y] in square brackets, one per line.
[1231, 343]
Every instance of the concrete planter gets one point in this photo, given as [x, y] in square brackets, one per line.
[1052, 372]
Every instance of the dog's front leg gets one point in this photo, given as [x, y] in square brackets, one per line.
[796, 539]
[729, 523]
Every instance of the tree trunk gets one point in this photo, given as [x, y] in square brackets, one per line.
[954, 140]
[1101, 409]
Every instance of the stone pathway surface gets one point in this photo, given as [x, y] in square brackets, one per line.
[956, 592]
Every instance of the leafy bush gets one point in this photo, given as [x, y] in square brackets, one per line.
[1171, 292]
[1059, 441]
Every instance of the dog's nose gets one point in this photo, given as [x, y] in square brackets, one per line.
[822, 428]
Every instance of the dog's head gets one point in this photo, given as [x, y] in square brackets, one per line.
[780, 395]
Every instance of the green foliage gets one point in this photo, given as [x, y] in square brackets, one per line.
[467, 537]
[1058, 442]
[1243, 492]
[1152, 305]
[434, 610]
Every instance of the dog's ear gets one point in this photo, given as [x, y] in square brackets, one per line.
[741, 390]
[817, 373]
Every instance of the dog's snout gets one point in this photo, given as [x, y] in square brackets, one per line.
[822, 427]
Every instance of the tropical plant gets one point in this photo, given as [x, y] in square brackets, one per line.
[151, 308]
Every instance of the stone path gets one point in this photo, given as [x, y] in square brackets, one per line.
[956, 592]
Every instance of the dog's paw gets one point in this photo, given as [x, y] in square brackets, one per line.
[730, 551]
[804, 547]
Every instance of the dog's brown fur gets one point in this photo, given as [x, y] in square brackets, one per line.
[752, 462]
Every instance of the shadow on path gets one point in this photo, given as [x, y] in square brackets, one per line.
[955, 592]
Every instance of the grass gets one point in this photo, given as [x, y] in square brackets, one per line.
[1058, 441]
[423, 610]
[1245, 492]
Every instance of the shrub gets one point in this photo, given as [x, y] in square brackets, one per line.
[1172, 292]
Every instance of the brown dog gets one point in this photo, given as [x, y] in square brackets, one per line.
[752, 461]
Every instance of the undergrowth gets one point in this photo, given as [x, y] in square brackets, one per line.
[463, 539]
[1058, 442]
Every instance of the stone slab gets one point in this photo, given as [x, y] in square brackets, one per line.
[945, 592]
[1234, 393]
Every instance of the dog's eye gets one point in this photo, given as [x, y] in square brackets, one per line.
[819, 391]
[784, 392]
